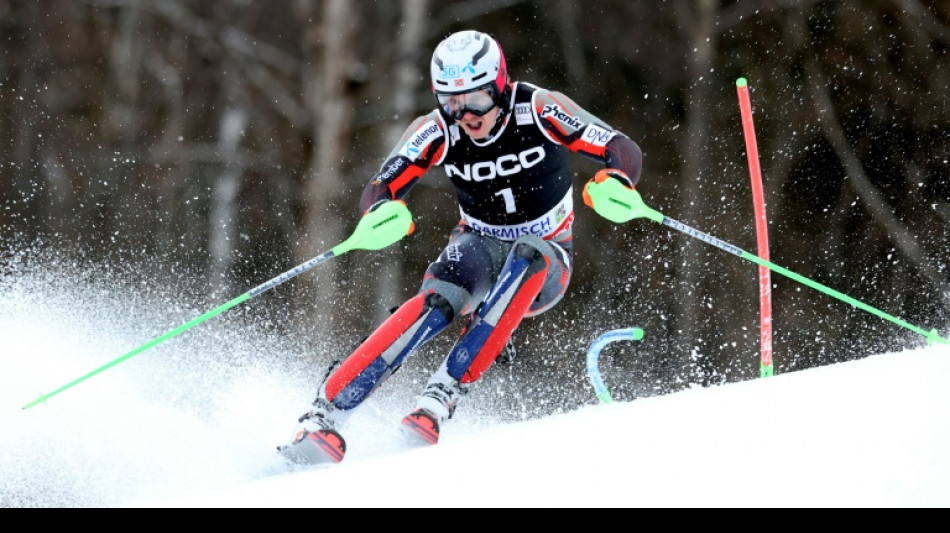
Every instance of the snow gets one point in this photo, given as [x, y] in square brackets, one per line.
[193, 423]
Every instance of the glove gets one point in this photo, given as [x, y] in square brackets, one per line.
[611, 194]
[380, 203]
[375, 206]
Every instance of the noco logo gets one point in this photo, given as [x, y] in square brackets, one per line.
[505, 165]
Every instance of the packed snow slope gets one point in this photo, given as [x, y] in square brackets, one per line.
[194, 423]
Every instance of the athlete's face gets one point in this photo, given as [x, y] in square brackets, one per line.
[475, 111]
[478, 127]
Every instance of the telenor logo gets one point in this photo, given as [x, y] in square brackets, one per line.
[422, 138]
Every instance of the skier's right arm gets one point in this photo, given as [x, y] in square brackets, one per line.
[420, 148]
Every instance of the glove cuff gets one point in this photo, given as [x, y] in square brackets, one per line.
[617, 174]
[603, 175]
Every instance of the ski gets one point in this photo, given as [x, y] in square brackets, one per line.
[421, 427]
[327, 446]
[315, 447]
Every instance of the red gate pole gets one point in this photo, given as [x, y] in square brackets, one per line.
[761, 228]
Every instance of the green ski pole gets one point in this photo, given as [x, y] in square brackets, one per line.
[617, 203]
[380, 228]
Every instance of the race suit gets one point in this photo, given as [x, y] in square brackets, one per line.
[510, 256]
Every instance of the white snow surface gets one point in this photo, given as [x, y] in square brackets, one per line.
[194, 423]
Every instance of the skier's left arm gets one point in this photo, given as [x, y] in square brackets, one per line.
[566, 123]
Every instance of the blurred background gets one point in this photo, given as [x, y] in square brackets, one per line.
[203, 147]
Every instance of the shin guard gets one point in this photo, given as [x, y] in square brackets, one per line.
[518, 285]
[382, 353]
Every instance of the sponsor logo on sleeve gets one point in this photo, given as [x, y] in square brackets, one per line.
[555, 112]
[420, 140]
[390, 170]
[597, 136]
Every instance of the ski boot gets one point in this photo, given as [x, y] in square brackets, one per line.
[436, 405]
[316, 440]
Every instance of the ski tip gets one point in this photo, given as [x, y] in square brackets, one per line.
[421, 427]
[314, 447]
[742, 82]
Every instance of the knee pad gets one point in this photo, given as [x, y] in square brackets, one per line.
[435, 300]
[450, 298]
[534, 249]
[518, 286]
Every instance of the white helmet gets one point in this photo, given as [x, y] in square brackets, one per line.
[468, 61]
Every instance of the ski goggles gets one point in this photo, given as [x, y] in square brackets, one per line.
[477, 102]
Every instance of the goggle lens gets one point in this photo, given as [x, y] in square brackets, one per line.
[478, 103]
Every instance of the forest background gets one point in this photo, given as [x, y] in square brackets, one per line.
[203, 147]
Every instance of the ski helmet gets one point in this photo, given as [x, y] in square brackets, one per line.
[469, 61]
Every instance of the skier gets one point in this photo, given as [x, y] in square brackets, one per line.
[504, 146]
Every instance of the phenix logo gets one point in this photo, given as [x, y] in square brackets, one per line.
[559, 114]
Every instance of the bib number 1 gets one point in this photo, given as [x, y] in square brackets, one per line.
[509, 199]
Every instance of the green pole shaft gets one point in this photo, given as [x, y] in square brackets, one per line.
[174, 333]
[618, 203]
[382, 227]
[932, 336]
[286, 276]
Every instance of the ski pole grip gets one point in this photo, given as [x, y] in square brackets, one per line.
[593, 355]
[381, 227]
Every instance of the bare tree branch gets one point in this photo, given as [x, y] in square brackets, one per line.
[873, 201]
[565, 17]
[927, 20]
[195, 152]
[739, 12]
[943, 209]
[281, 99]
[465, 11]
